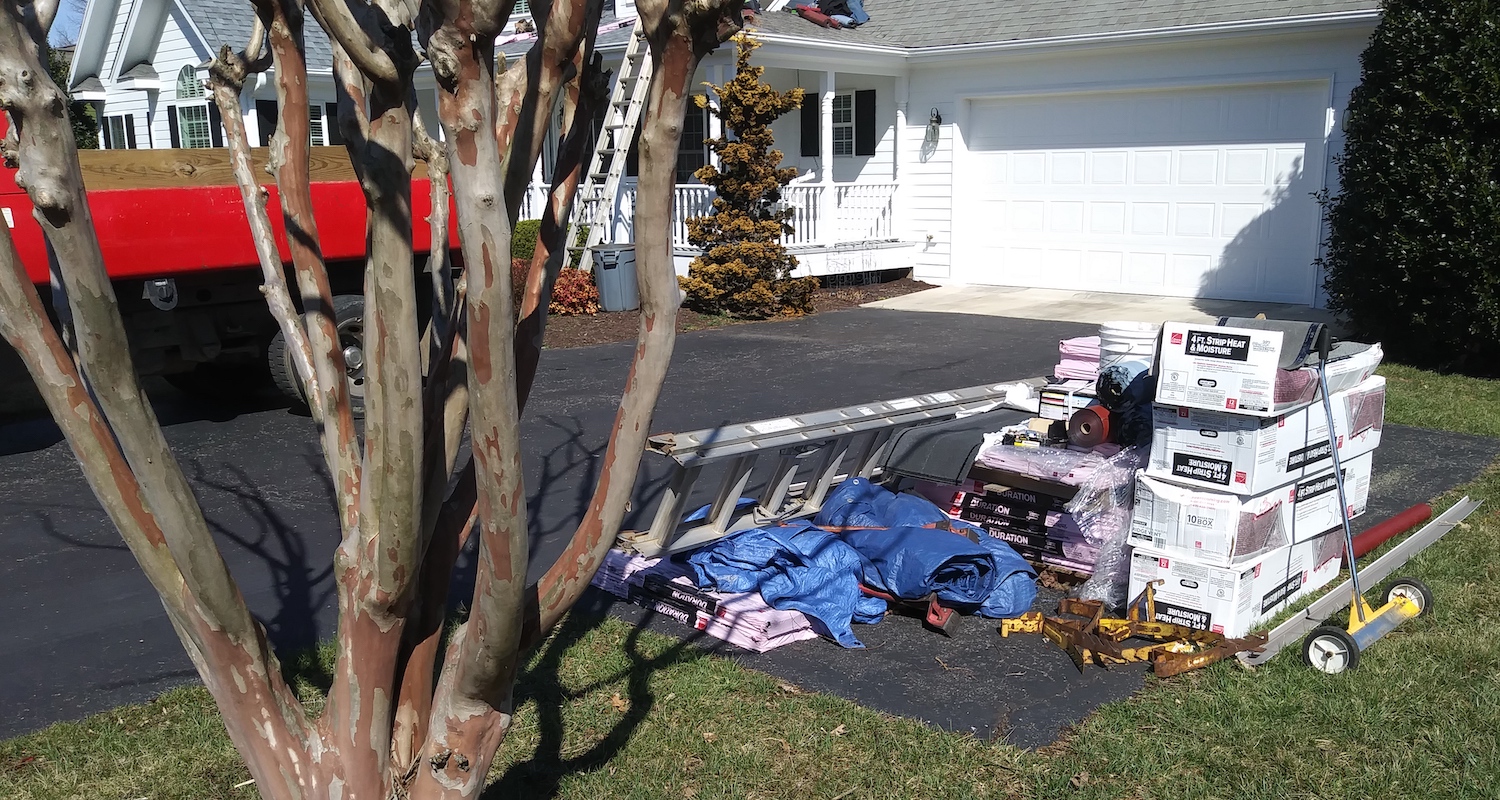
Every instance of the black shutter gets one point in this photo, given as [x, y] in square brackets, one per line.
[864, 122]
[331, 124]
[172, 127]
[215, 125]
[130, 131]
[633, 156]
[109, 143]
[810, 132]
[265, 115]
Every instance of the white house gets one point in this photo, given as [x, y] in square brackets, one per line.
[1164, 147]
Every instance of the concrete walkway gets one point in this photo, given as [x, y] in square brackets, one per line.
[1088, 307]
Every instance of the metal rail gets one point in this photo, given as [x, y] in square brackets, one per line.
[1292, 630]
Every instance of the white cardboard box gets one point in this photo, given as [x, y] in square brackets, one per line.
[1223, 369]
[1236, 370]
[1232, 600]
[1225, 529]
[1252, 455]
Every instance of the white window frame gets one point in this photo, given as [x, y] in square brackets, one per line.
[843, 148]
[188, 85]
[187, 136]
[118, 138]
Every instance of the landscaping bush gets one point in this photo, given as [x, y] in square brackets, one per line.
[574, 293]
[1413, 252]
[744, 270]
[523, 238]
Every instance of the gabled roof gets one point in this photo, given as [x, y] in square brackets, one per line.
[609, 39]
[230, 22]
[939, 23]
[140, 72]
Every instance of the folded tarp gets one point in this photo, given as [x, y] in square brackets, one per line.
[904, 556]
[795, 566]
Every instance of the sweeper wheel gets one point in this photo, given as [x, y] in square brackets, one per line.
[1413, 590]
[1330, 649]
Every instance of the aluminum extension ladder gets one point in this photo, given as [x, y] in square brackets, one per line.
[811, 452]
[601, 184]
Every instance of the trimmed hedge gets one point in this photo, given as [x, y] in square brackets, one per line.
[523, 238]
[1413, 254]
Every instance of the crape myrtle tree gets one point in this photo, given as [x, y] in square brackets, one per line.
[745, 270]
[1413, 254]
[419, 703]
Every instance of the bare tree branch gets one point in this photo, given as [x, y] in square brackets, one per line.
[226, 81]
[46, 13]
[548, 65]
[338, 18]
[115, 433]
[680, 33]
[290, 162]
[439, 264]
[584, 105]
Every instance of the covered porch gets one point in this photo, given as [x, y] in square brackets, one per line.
[846, 200]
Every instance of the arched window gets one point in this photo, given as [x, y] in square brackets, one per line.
[188, 85]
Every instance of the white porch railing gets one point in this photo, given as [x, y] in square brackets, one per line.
[861, 212]
[864, 211]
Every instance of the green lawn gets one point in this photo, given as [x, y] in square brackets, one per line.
[615, 712]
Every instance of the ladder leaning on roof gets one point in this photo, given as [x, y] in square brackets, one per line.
[601, 184]
[835, 444]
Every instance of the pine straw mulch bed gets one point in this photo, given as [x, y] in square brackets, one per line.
[603, 328]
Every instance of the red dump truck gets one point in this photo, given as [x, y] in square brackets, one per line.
[178, 249]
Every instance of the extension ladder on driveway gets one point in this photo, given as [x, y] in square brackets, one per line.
[811, 452]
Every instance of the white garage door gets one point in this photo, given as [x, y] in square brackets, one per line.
[1188, 193]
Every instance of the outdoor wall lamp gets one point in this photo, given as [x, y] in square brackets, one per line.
[934, 127]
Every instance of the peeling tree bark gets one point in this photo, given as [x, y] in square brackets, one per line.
[396, 723]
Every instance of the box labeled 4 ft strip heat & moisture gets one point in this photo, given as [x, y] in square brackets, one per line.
[1252, 455]
[1223, 529]
[1222, 369]
[1232, 600]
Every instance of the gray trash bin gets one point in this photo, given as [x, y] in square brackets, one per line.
[614, 274]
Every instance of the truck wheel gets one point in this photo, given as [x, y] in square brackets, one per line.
[349, 316]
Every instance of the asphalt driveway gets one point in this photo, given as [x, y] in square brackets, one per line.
[82, 631]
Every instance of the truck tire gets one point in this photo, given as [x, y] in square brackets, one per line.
[349, 316]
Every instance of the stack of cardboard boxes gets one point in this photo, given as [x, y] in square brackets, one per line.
[1237, 511]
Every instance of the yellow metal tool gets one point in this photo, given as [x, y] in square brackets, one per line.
[1332, 649]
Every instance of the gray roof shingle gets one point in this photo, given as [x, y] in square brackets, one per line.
[937, 23]
[229, 22]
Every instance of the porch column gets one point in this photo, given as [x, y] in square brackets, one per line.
[899, 136]
[828, 206]
[717, 74]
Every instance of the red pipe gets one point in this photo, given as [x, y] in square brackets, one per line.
[1382, 532]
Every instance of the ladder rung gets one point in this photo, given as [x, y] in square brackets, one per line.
[598, 175]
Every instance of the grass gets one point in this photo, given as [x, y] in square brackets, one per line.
[610, 711]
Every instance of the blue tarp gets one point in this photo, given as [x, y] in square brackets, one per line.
[795, 566]
[894, 549]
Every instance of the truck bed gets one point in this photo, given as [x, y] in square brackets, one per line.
[166, 213]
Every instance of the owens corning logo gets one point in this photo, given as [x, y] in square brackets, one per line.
[1217, 344]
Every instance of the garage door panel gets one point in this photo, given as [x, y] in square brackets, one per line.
[1187, 193]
